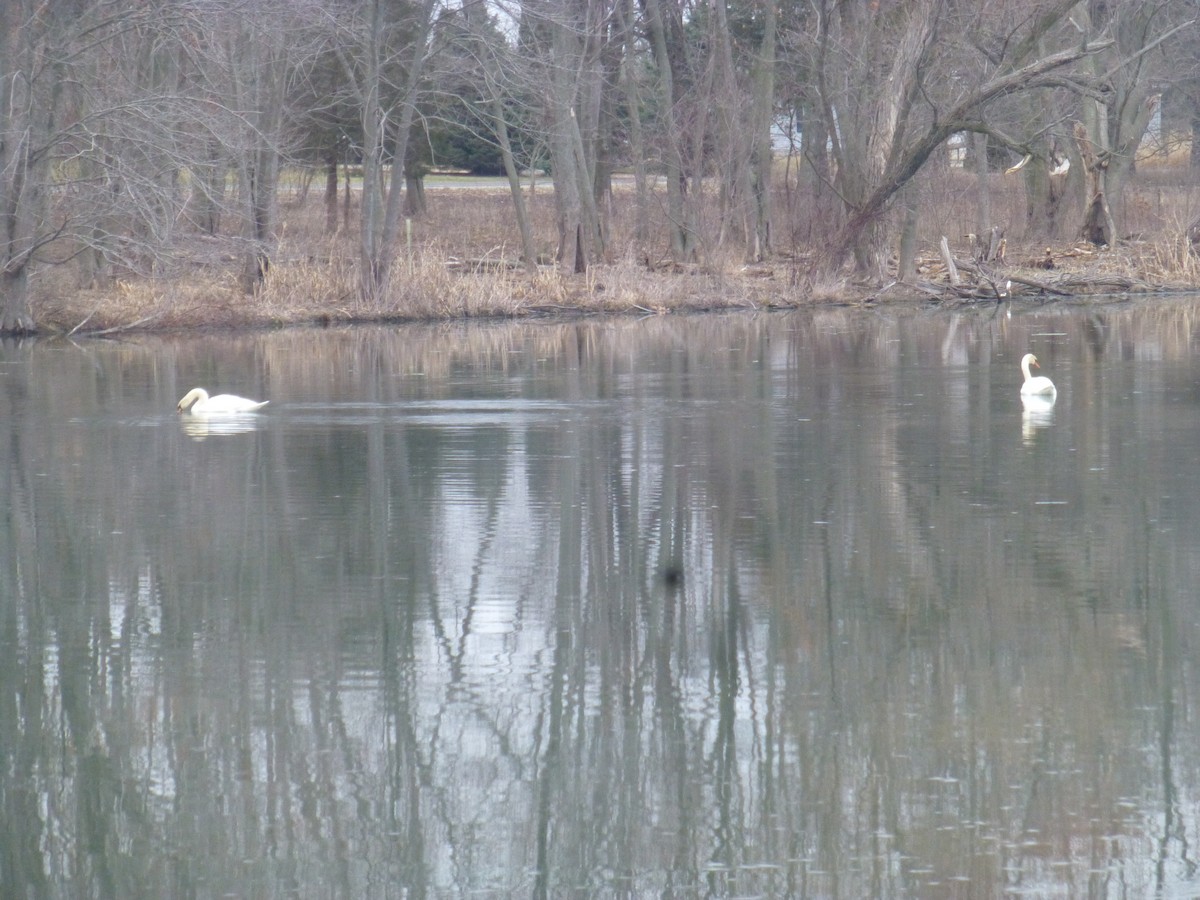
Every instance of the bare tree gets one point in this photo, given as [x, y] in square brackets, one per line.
[496, 88]
[1126, 79]
[29, 108]
[563, 41]
[1045, 144]
[891, 97]
[257, 56]
[110, 109]
[383, 46]
[630, 83]
[762, 149]
[741, 71]
[665, 29]
[126, 146]
[242, 65]
[89, 108]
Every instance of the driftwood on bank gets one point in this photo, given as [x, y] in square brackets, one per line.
[952, 278]
[948, 262]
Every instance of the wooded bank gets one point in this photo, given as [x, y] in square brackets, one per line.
[157, 159]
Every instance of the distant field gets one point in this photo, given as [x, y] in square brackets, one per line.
[295, 181]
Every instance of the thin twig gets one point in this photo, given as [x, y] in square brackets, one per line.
[81, 324]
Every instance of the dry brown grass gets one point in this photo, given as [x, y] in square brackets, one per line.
[463, 254]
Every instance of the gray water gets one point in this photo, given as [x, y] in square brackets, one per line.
[797, 604]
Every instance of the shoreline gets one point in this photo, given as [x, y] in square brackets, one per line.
[72, 318]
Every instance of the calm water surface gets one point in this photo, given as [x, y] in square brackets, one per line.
[798, 605]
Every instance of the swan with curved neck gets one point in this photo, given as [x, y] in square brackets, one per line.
[197, 401]
[1035, 384]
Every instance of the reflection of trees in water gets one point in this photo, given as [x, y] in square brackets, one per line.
[429, 656]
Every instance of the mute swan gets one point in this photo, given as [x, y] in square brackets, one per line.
[1039, 384]
[200, 402]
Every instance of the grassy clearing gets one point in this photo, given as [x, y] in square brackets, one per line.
[463, 255]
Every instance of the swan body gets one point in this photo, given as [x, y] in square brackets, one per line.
[1035, 384]
[197, 401]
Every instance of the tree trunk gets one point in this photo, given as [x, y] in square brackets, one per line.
[1194, 151]
[93, 264]
[28, 106]
[331, 194]
[605, 107]
[983, 205]
[590, 212]
[500, 129]
[208, 190]
[763, 153]
[731, 150]
[371, 270]
[637, 141]
[578, 227]
[258, 71]
[260, 176]
[681, 239]
[1115, 124]
[906, 263]
[1046, 199]
[1044, 196]
[1098, 226]
[386, 127]
[414, 195]
[572, 256]
[395, 197]
[16, 314]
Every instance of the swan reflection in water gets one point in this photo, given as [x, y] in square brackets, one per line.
[1037, 412]
[200, 426]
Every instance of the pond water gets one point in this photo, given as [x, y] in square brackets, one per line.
[801, 604]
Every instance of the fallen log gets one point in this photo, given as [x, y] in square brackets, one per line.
[1038, 285]
[973, 281]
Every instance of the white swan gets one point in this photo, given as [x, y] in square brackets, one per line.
[199, 402]
[1038, 384]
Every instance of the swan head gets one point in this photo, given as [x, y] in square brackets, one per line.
[193, 396]
[1026, 361]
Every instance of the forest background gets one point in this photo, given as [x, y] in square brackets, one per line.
[166, 163]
